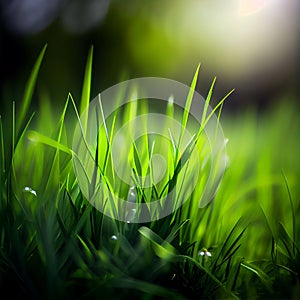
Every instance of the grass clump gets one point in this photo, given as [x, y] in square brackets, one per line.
[55, 244]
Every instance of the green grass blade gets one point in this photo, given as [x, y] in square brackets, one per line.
[216, 107]
[265, 279]
[30, 89]
[207, 101]
[190, 98]
[209, 273]
[289, 244]
[175, 231]
[22, 134]
[13, 129]
[38, 137]
[223, 252]
[292, 210]
[86, 87]
[229, 253]
[186, 111]
[162, 248]
[287, 269]
[87, 249]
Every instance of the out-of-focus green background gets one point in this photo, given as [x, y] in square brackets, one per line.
[251, 46]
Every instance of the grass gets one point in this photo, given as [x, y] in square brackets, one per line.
[55, 244]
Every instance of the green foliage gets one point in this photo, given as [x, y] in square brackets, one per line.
[54, 244]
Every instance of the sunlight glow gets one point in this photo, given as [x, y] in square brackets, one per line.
[251, 6]
[240, 38]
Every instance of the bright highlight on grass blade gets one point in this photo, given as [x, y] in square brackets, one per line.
[131, 204]
[149, 145]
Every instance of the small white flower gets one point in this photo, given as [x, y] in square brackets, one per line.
[204, 252]
[30, 190]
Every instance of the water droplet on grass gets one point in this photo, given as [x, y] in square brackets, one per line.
[130, 206]
[114, 238]
[131, 195]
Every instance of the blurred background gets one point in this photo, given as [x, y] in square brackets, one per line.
[249, 45]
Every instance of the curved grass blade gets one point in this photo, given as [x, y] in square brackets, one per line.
[260, 274]
[38, 137]
[162, 248]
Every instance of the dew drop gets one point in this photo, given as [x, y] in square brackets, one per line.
[114, 237]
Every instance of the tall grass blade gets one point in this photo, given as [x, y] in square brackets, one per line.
[86, 88]
[207, 101]
[28, 93]
[187, 108]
